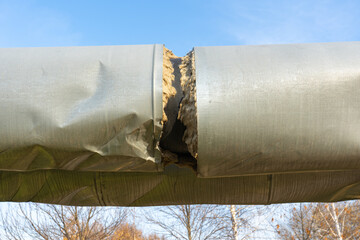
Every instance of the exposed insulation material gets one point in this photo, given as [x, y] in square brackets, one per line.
[174, 147]
[188, 112]
[168, 78]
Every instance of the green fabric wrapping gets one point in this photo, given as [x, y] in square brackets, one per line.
[174, 186]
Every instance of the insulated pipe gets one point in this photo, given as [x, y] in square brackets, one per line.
[117, 125]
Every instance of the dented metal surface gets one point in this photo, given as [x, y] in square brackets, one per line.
[81, 108]
[278, 108]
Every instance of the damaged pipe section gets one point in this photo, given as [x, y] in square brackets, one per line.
[179, 137]
[168, 77]
[257, 110]
[222, 111]
[188, 112]
[122, 125]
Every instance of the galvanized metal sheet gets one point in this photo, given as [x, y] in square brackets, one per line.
[278, 108]
[81, 108]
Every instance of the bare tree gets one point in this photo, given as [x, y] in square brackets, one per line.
[191, 222]
[339, 220]
[234, 221]
[194, 222]
[322, 221]
[131, 232]
[244, 221]
[44, 221]
[299, 224]
[239, 221]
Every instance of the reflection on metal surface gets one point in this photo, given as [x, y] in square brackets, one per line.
[278, 108]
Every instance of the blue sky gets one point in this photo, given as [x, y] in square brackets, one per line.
[180, 25]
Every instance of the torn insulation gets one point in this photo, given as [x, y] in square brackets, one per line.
[188, 112]
[179, 136]
[168, 77]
